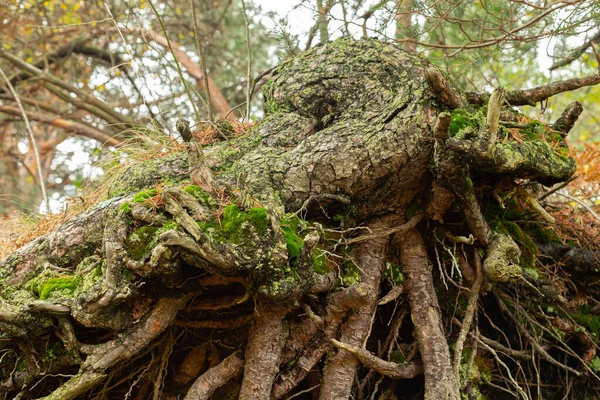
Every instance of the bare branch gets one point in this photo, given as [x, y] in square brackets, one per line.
[69, 126]
[209, 106]
[576, 53]
[530, 97]
[218, 99]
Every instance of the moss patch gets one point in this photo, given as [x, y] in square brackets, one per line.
[463, 118]
[203, 197]
[234, 225]
[290, 225]
[394, 273]
[589, 321]
[145, 238]
[527, 245]
[144, 195]
[64, 286]
[234, 217]
[319, 259]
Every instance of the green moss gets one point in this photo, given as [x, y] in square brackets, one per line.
[290, 224]
[141, 241]
[65, 286]
[595, 364]
[144, 195]
[52, 351]
[234, 219]
[589, 321]
[224, 126]
[411, 211]
[529, 250]
[462, 118]
[203, 197]
[533, 131]
[137, 242]
[125, 207]
[21, 364]
[128, 275]
[95, 271]
[350, 275]
[541, 235]
[398, 357]
[319, 259]
[478, 371]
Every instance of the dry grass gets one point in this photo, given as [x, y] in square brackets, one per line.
[15, 232]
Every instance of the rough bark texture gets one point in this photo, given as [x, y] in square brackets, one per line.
[440, 382]
[339, 373]
[267, 249]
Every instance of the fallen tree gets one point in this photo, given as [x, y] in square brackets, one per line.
[286, 260]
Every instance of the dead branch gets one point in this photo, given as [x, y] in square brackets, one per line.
[576, 53]
[131, 342]
[469, 314]
[567, 119]
[69, 126]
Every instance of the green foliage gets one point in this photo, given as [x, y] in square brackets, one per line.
[64, 286]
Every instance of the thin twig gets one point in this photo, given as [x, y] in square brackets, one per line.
[557, 188]
[580, 202]
[249, 76]
[378, 233]
[179, 72]
[211, 117]
[32, 138]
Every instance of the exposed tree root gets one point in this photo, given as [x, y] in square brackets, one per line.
[385, 368]
[263, 352]
[216, 377]
[338, 374]
[440, 381]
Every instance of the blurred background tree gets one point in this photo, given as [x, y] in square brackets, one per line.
[97, 77]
